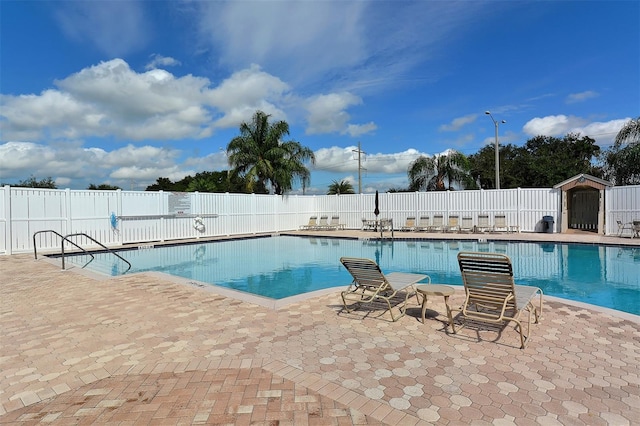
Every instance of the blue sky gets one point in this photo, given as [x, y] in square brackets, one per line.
[124, 92]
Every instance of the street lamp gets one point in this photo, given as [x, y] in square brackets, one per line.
[497, 149]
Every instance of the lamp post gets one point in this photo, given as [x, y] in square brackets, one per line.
[496, 124]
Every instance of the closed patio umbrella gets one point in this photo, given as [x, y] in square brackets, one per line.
[376, 211]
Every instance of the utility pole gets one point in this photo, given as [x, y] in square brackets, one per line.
[497, 149]
[360, 168]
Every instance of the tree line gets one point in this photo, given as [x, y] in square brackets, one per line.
[262, 161]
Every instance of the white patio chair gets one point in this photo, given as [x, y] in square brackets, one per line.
[623, 226]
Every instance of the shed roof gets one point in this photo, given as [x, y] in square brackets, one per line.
[583, 179]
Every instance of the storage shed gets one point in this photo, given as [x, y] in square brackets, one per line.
[583, 203]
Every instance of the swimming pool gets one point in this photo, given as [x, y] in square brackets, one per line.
[283, 266]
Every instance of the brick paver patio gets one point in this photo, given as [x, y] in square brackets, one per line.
[150, 349]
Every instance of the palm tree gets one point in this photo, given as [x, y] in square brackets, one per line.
[630, 133]
[201, 184]
[342, 187]
[430, 173]
[260, 155]
[622, 160]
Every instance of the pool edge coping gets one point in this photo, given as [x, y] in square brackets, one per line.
[277, 304]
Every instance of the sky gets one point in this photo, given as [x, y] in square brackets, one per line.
[125, 92]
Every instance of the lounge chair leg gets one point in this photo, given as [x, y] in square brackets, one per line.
[522, 337]
[446, 302]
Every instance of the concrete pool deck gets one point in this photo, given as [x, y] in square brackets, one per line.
[148, 349]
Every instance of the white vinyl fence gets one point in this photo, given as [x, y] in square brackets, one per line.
[123, 217]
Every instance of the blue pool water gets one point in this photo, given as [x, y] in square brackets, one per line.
[279, 267]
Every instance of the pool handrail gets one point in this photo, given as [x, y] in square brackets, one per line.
[66, 238]
[35, 248]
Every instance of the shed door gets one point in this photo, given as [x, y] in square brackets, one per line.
[583, 209]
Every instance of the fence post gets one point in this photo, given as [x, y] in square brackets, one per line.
[519, 209]
[607, 193]
[194, 201]
[118, 214]
[254, 210]
[67, 195]
[159, 199]
[225, 224]
[276, 209]
[8, 223]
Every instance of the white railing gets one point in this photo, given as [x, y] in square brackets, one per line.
[161, 216]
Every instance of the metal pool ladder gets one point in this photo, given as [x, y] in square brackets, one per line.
[82, 234]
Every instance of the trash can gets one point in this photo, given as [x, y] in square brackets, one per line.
[547, 224]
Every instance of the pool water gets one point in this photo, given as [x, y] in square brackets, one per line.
[283, 266]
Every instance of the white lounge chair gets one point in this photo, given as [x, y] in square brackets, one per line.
[483, 223]
[453, 224]
[423, 224]
[335, 223]
[438, 223]
[492, 295]
[313, 222]
[410, 224]
[500, 223]
[466, 225]
[323, 224]
[371, 286]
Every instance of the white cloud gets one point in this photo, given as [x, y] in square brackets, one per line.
[132, 96]
[309, 37]
[70, 162]
[111, 99]
[355, 130]
[327, 114]
[132, 167]
[213, 161]
[245, 91]
[370, 183]
[143, 165]
[346, 44]
[603, 132]
[161, 61]
[144, 176]
[26, 116]
[336, 159]
[114, 27]
[504, 138]
[458, 123]
[560, 125]
[21, 157]
[143, 156]
[581, 97]
[552, 125]
[19, 160]
[349, 179]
